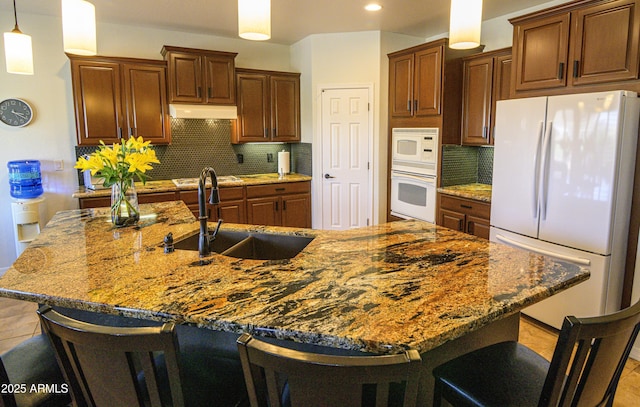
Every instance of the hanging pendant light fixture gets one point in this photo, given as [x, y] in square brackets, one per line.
[79, 27]
[254, 19]
[17, 49]
[465, 23]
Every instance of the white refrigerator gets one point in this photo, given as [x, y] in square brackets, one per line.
[562, 183]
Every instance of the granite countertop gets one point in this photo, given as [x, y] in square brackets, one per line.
[478, 192]
[381, 289]
[169, 186]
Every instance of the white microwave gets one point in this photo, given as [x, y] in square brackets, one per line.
[415, 150]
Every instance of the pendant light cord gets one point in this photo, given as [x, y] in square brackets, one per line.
[15, 16]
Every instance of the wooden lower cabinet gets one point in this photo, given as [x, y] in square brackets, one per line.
[282, 204]
[286, 204]
[464, 215]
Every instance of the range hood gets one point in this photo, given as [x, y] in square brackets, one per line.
[181, 111]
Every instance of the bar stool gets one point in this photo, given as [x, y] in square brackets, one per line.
[585, 368]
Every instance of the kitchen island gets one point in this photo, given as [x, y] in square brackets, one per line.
[379, 289]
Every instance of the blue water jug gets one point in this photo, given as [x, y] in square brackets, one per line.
[25, 179]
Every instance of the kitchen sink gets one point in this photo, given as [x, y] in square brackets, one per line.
[256, 246]
[224, 240]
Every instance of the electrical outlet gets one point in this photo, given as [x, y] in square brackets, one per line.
[269, 157]
[58, 165]
[240, 158]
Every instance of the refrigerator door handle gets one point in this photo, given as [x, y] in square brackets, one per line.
[576, 260]
[544, 166]
[536, 173]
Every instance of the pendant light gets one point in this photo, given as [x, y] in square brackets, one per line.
[17, 49]
[79, 27]
[465, 22]
[254, 19]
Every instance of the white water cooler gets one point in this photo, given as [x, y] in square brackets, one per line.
[28, 215]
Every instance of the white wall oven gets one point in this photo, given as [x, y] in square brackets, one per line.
[413, 173]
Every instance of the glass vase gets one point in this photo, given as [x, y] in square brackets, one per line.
[124, 204]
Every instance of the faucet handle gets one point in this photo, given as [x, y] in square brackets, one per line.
[215, 196]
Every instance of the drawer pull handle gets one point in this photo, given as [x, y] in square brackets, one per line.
[280, 189]
[466, 206]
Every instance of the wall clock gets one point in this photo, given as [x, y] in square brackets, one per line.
[15, 112]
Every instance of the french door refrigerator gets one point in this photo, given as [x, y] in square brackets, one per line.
[562, 184]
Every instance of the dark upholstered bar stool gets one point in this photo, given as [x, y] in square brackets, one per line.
[28, 365]
[584, 371]
[278, 376]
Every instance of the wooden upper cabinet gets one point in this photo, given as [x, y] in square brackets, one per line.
[605, 42]
[486, 79]
[285, 107]
[401, 85]
[476, 100]
[427, 82]
[145, 93]
[585, 42]
[415, 81]
[97, 96]
[268, 106]
[200, 76]
[116, 98]
[540, 53]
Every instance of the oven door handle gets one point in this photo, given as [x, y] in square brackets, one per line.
[427, 179]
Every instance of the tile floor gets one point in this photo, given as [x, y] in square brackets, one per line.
[18, 321]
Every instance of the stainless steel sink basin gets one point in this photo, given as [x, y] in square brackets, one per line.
[256, 246]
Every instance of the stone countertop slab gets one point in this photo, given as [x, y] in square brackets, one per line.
[380, 289]
[478, 192]
[169, 186]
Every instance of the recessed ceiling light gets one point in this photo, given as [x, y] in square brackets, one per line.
[372, 7]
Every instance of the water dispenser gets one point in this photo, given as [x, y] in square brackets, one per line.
[27, 208]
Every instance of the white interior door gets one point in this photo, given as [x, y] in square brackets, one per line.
[345, 158]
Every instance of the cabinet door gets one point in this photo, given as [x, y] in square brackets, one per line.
[478, 227]
[185, 78]
[605, 43]
[296, 210]
[451, 219]
[146, 102]
[427, 82]
[285, 108]
[98, 101]
[220, 80]
[264, 211]
[253, 108]
[541, 52]
[232, 212]
[401, 85]
[501, 88]
[477, 100]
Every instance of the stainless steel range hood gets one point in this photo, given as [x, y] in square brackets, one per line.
[181, 111]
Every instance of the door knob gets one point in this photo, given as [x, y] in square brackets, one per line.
[327, 176]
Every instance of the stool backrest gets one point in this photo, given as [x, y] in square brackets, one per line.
[589, 358]
[278, 376]
[112, 366]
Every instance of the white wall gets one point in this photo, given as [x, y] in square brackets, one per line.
[51, 136]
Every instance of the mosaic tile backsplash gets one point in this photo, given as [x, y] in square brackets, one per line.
[466, 165]
[198, 143]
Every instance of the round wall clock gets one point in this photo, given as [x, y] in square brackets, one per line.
[15, 112]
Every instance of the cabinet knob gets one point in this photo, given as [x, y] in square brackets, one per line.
[576, 66]
[561, 70]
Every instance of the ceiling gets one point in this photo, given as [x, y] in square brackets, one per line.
[291, 20]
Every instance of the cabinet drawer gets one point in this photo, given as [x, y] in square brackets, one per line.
[257, 191]
[467, 206]
[156, 197]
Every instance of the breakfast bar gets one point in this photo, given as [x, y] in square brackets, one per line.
[379, 289]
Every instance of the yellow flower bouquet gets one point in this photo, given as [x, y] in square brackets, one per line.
[118, 165]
